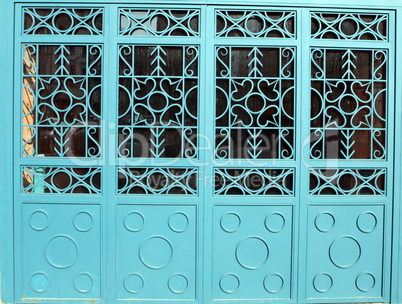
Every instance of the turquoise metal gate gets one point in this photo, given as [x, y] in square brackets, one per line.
[203, 153]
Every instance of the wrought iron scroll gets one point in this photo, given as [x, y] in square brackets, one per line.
[63, 21]
[159, 22]
[348, 104]
[158, 101]
[255, 23]
[254, 182]
[157, 181]
[347, 182]
[349, 26]
[255, 93]
[61, 100]
[57, 180]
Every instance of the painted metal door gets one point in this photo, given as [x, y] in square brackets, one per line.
[203, 153]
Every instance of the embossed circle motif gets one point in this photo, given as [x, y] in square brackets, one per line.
[324, 222]
[61, 252]
[133, 283]
[39, 282]
[366, 222]
[322, 282]
[229, 283]
[83, 221]
[275, 222]
[156, 252]
[178, 283]
[83, 282]
[39, 220]
[178, 222]
[134, 221]
[273, 283]
[252, 253]
[230, 222]
[344, 252]
[365, 281]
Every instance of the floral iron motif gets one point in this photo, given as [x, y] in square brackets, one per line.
[348, 103]
[62, 100]
[254, 103]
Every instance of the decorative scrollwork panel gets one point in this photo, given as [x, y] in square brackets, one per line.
[254, 182]
[349, 26]
[347, 182]
[61, 100]
[157, 181]
[255, 23]
[255, 94]
[158, 101]
[63, 21]
[57, 180]
[159, 22]
[348, 104]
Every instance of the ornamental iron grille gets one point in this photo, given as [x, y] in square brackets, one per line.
[202, 154]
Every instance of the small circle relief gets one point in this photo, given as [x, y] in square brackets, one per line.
[365, 281]
[322, 282]
[230, 222]
[366, 222]
[273, 283]
[83, 221]
[344, 252]
[39, 220]
[275, 222]
[61, 252]
[83, 282]
[252, 253]
[156, 252]
[133, 283]
[178, 283]
[324, 222]
[134, 221]
[39, 282]
[178, 222]
[229, 283]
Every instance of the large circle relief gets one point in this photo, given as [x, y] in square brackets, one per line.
[156, 252]
[252, 253]
[344, 252]
[61, 251]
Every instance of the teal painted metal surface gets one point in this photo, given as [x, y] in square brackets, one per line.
[200, 153]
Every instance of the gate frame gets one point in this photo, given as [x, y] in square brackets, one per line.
[7, 193]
